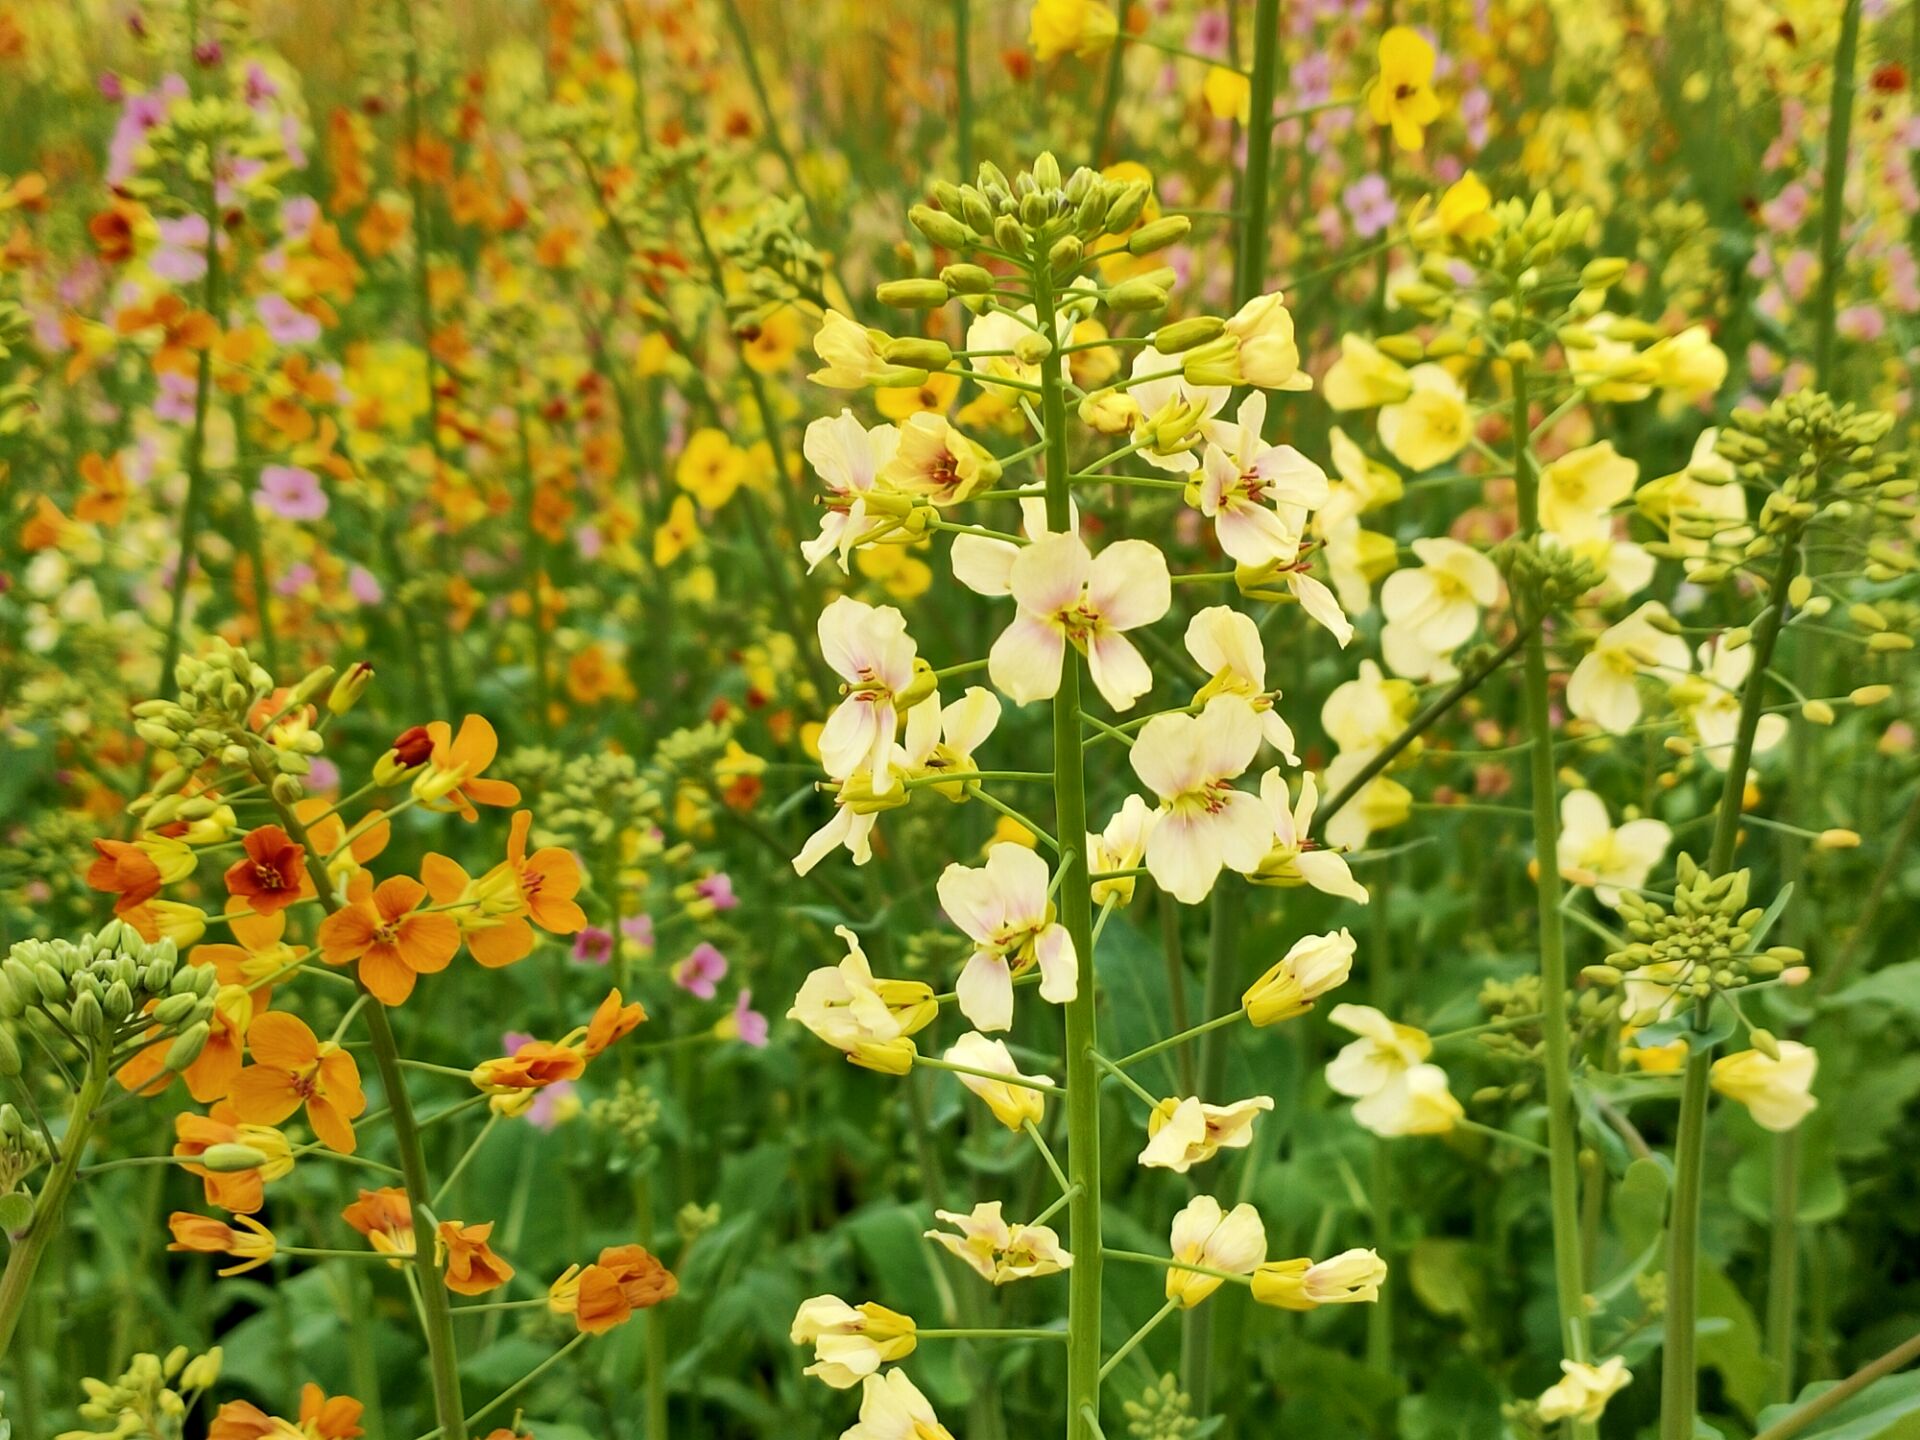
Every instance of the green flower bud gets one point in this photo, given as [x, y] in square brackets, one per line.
[915, 294]
[917, 353]
[940, 228]
[1158, 234]
[1185, 334]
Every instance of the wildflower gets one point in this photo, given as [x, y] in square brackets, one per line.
[1688, 366]
[1402, 95]
[1579, 490]
[470, 1266]
[1122, 845]
[1257, 495]
[1711, 701]
[851, 826]
[1172, 410]
[1005, 909]
[1183, 1132]
[393, 939]
[1295, 858]
[870, 1020]
[848, 457]
[701, 972]
[1013, 1105]
[1367, 713]
[999, 1252]
[291, 492]
[385, 1218]
[529, 1065]
[626, 1278]
[1083, 28]
[1269, 356]
[1602, 687]
[292, 1068]
[852, 354]
[1363, 378]
[251, 1243]
[1380, 804]
[1777, 1090]
[242, 1191]
[891, 1406]
[1234, 1242]
[743, 1022]
[941, 741]
[1702, 508]
[1431, 424]
[1385, 1071]
[710, 468]
[868, 647]
[1364, 483]
[933, 459]
[1593, 852]
[320, 1417]
[1228, 93]
[1433, 610]
[851, 1342]
[612, 1021]
[1312, 966]
[1189, 761]
[124, 870]
[1583, 1391]
[1066, 594]
[1352, 1277]
[456, 766]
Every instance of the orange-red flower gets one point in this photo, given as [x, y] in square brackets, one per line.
[394, 941]
[612, 1021]
[455, 769]
[274, 873]
[322, 1417]
[125, 870]
[534, 1065]
[105, 500]
[603, 1295]
[251, 1243]
[385, 1217]
[471, 1266]
[184, 332]
[239, 1190]
[292, 1068]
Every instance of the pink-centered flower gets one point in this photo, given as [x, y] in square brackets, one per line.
[868, 647]
[1257, 495]
[291, 492]
[702, 971]
[1190, 762]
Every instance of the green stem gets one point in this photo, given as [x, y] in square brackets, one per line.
[1563, 1165]
[963, 86]
[1250, 257]
[1793, 1423]
[1076, 912]
[1783, 1264]
[1833, 199]
[1134, 1339]
[49, 1206]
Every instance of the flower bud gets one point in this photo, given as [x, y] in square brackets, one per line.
[1817, 711]
[1136, 296]
[231, 1158]
[918, 354]
[967, 279]
[1158, 234]
[1185, 334]
[940, 228]
[348, 689]
[915, 294]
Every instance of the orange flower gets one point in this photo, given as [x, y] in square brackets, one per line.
[292, 1068]
[612, 1021]
[184, 332]
[105, 501]
[534, 1065]
[253, 1244]
[593, 1297]
[488, 910]
[238, 1190]
[124, 870]
[210, 1077]
[643, 1279]
[321, 1418]
[393, 941]
[471, 1266]
[274, 873]
[549, 879]
[258, 956]
[455, 767]
[385, 1217]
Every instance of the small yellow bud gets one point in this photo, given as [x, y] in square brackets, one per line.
[1837, 840]
[1818, 711]
[1867, 695]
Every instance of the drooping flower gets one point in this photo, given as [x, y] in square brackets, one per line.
[869, 1019]
[1710, 701]
[470, 1267]
[851, 1342]
[1004, 908]
[848, 457]
[1181, 1133]
[1604, 688]
[1122, 845]
[247, 1240]
[385, 1218]
[1312, 966]
[1363, 378]
[1583, 1390]
[1226, 644]
[999, 1252]
[1777, 1090]
[1067, 595]
[1234, 1241]
[1014, 1104]
[892, 1407]
[1190, 762]
[454, 777]
[1352, 1277]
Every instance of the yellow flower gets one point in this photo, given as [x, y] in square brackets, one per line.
[1013, 1104]
[1403, 95]
[1584, 1390]
[901, 573]
[710, 468]
[1234, 1242]
[1083, 27]
[898, 402]
[1228, 93]
[1776, 1091]
[676, 536]
[1432, 424]
[773, 342]
[1465, 210]
[851, 1342]
[1362, 377]
[1350, 1278]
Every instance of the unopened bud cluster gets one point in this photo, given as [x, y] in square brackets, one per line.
[1556, 575]
[1704, 940]
[1163, 1412]
[1817, 457]
[108, 993]
[150, 1399]
[631, 1113]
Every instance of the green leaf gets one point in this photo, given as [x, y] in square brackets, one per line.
[1875, 1412]
[1448, 1276]
[1734, 1347]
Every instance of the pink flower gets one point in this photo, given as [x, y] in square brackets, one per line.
[638, 929]
[544, 1113]
[593, 946]
[749, 1025]
[717, 890]
[291, 492]
[364, 587]
[1370, 202]
[285, 321]
[701, 972]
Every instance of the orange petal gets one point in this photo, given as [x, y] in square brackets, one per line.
[282, 1040]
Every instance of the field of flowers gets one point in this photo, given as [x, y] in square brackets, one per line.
[959, 721]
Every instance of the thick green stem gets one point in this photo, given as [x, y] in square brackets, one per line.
[1783, 1263]
[1563, 1164]
[51, 1203]
[1075, 901]
[1679, 1381]
[963, 85]
[1196, 1324]
[1250, 257]
[1833, 197]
